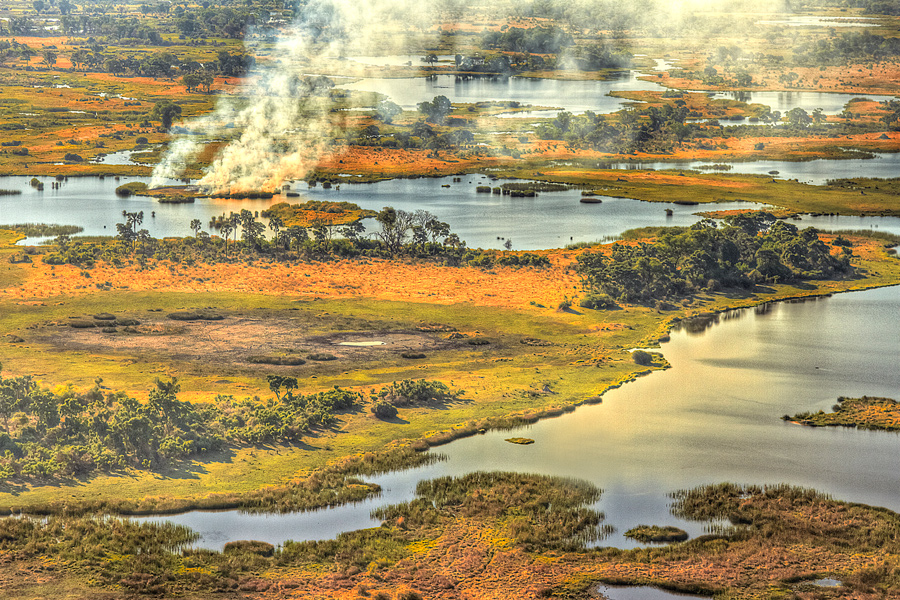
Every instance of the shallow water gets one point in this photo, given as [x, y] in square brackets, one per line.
[713, 417]
[550, 220]
[617, 592]
[814, 21]
[816, 172]
[830, 103]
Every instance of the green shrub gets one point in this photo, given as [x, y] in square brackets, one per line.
[277, 360]
[642, 358]
[384, 410]
[597, 301]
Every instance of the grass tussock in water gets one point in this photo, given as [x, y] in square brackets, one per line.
[655, 533]
[539, 512]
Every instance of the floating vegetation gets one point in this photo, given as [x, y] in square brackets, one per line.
[520, 440]
[863, 413]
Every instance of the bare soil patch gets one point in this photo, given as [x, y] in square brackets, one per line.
[237, 341]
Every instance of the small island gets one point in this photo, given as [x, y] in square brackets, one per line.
[655, 534]
[864, 413]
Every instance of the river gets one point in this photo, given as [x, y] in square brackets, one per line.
[550, 220]
[713, 416]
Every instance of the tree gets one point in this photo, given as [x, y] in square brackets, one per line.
[437, 110]
[49, 58]
[195, 226]
[165, 111]
[431, 58]
[39, 5]
[206, 81]
[297, 235]
[387, 110]
[275, 224]
[395, 225]
[799, 117]
[227, 228]
[191, 81]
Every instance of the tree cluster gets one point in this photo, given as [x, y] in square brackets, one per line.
[63, 432]
[749, 249]
[847, 47]
[534, 40]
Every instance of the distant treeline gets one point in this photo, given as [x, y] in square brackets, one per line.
[41, 229]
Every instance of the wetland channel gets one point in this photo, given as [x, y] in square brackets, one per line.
[549, 220]
[713, 416]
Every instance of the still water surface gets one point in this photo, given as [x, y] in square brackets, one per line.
[713, 417]
[550, 220]
[576, 96]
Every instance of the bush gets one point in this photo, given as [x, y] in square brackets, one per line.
[384, 409]
[598, 301]
[73, 157]
[642, 358]
[321, 356]
[292, 361]
[81, 324]
[194, 316]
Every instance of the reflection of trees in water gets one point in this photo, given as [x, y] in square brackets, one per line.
[698, 324]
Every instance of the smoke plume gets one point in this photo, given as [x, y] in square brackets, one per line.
[283, 121]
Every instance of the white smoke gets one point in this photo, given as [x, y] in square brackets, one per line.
[284, 122]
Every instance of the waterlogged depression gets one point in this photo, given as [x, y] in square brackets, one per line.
[714, 416]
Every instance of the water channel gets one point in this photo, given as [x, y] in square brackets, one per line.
[577, 96]
[550, 220]
[714, 416]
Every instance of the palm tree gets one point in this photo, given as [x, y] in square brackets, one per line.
[227, 228]
[275, 224]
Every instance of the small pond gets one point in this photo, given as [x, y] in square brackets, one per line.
[643, 592]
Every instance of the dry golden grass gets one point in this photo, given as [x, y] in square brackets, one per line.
[370, 278]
